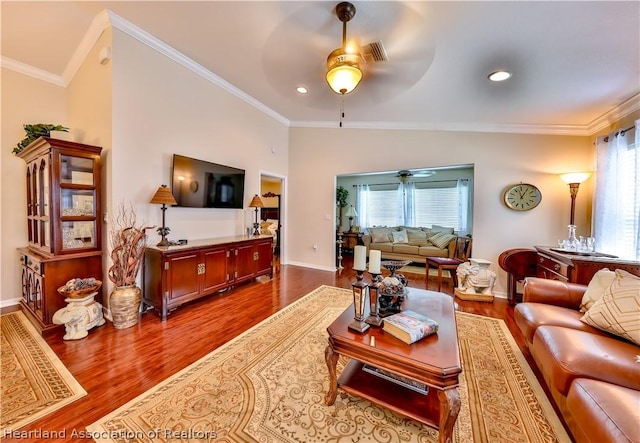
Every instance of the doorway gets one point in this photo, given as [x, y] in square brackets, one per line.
[272, 214]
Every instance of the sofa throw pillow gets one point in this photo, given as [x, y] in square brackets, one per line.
[441, 239]
[600, 281]
[379, 235]
[436, 228]
[618, 310]
[400, 236]
[417, 237]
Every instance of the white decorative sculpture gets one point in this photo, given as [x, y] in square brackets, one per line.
[80, 315]
[475, 280]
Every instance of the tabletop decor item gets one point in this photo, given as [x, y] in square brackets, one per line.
[409, 326]
[77, 287]
[392, 288]
[359, 288]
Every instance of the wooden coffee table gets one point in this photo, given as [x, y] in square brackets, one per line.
[434, 361]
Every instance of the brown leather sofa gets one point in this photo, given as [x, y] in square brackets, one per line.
[593, 376]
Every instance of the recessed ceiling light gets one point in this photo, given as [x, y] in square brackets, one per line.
[499, 76]
[302, 90]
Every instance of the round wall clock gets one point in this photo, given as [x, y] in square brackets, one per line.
[522, 197]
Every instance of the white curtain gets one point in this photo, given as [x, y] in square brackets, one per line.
[617, 194]
[362, 202]
[406, 204]
[464, 202]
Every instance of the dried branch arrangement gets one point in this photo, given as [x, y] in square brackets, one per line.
[127, 240]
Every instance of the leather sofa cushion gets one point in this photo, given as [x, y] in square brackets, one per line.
[405, 249]
[603, 412]
[529, 316]
[564, 354]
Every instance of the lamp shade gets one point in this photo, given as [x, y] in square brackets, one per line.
[351, 212]
[343, 71]
[163, 196]
[256, 202]
[575, 177]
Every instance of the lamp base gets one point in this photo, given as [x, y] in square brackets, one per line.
[164, 242]
[358, 326]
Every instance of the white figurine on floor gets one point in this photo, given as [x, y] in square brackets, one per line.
[80, 315]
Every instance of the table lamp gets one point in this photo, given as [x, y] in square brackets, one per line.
[351, 213]
[256, 202]
[164, 197]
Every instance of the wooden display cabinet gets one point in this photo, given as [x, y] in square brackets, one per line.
[63, 228]
[176, 275]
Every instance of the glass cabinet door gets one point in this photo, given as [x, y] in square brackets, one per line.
[77, 203]
[76, 170]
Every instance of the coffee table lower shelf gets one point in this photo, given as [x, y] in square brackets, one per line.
[404, 401]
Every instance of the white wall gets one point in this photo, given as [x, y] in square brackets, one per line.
[161, 108]
[24, 100]
[318, 155]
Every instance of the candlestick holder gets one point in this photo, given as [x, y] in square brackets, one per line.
[359, 288]
[374, 318]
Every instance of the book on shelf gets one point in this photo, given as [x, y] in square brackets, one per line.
[409, 326]
[408, 383]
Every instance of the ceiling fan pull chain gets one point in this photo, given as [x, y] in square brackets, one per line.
[341, 111]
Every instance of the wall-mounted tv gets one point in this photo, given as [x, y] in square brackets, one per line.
[202, 184]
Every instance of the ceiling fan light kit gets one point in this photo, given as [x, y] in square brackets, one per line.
[344, 69]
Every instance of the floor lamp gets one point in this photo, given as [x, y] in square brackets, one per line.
[573, 179]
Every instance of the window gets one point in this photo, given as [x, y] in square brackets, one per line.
[443, 203]
[617, 194]
[438, 206]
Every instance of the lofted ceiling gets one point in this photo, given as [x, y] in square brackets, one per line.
[572, 62]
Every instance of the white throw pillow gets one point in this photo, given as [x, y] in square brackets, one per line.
[618, 310]
[400, 236]
[600, 281]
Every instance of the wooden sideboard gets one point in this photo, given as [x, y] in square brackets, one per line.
[175, 275]
[576, 268]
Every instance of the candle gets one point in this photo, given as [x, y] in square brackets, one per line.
[374, 262]
[360, 258]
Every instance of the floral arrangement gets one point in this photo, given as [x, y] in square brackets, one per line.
[128, 240]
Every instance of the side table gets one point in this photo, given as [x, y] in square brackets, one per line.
[351, 240]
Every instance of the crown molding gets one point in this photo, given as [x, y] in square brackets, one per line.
[98, 25]
[573, 130]
[619, 112]
[108, 18]
[31, 71]
[175, 55]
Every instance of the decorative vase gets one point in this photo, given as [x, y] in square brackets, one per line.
[124, 304]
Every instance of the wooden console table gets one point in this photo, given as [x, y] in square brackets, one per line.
[576, 268]
[174, 275]
[351, 239]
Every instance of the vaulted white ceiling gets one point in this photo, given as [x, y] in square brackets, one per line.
[576, 65]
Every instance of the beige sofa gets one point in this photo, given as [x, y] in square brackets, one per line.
[406, 243]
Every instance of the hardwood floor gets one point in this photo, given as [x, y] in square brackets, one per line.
[115, 366]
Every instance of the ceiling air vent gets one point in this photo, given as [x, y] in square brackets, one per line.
[375, 52]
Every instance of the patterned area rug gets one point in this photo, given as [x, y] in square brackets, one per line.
[34, 381]
[268, 385]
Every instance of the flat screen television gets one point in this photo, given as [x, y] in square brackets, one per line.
[202, 184]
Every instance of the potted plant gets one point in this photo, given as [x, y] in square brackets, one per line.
[341, 200]
[35, 131]
[128, 240]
